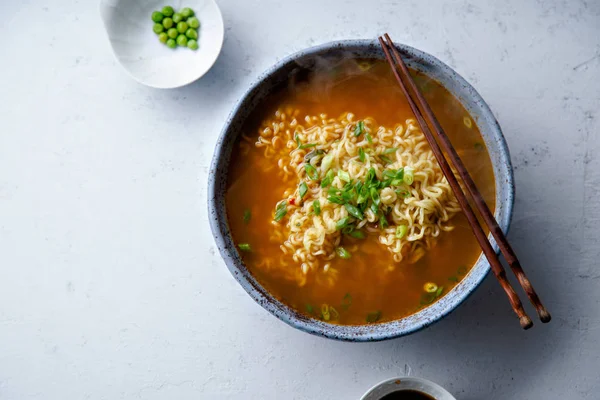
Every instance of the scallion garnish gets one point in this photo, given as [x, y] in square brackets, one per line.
[343, 175]
[373, 317]
[247, 216]
[360, 128]
[307, 145]
[409, 175]
[309, 309]
[302, 189]
[311, 171]
[357, 234]
[401, 231]
[312, 154]
[297, 139]
[383, 222]
[346, 301]
[352, 210]
[244, 247]
[342, 223]
[326, 163]
[375, 196]
[328, 179]
[369, 138]
[361, 155]
[343, 253]
[317, 207]
[280, 210]
[390, 150]
[385, 159]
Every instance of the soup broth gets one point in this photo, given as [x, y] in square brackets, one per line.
[372, 284]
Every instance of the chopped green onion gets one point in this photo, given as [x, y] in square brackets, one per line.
[328, 178]
[383, 222]
[385, 159]
[325, 312]
[375, 196]
[430, 287]
[357, 234]
[467, 122]
[346, 301]
[307, 145]
[403, 193]
[360, 128]
[369, 138]
[352, 210]
[312, 172]
[439, 291]
[244, 247]
[342, 223]
[313, 154]
[478, 146]
[343, 175]
[302, 189]
[280, 210]
[309, 309]
[317, 207]
[409, 175]
[326, 163]
[390, 150]
[297, 139]
[401, 231]
[343, 253]
[361, 155]
[373, 317]
[247, 216]
[462, 270]
[334, 313]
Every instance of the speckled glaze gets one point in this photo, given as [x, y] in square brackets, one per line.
[270, 81]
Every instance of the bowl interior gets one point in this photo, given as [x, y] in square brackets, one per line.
[274, 79]
[150, 62]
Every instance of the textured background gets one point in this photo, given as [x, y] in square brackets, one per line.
[110, 285]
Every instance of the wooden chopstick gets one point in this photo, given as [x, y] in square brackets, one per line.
[485, 245]
[488, 217]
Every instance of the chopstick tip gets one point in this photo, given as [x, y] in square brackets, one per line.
[544, 315]
[526, 322]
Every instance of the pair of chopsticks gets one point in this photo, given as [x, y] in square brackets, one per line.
[405, 80]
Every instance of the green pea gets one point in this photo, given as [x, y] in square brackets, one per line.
[187, 12]
[177, 18]
[167, 11]
[158, 28]
[157, 16]
[167, 23]
[172, 33]
[182, 27]
[182, 40]
[163, 37]
[193, 23]
[171, 43]
[191, 34]
[192, 44]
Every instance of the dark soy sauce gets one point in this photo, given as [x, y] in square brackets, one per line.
[407, 395]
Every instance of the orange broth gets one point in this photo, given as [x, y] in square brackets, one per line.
[364, 280]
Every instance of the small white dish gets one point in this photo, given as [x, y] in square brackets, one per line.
[384, 388]
[129, 25]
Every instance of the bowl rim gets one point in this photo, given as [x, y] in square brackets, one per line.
[385, 330]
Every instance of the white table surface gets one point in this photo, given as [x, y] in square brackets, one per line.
[110, 283]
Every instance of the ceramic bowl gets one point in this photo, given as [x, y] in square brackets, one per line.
[278, 75]
[136, 46]
[384, 388]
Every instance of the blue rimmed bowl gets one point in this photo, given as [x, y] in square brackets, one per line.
[271, 81]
